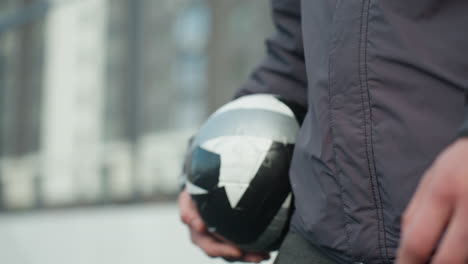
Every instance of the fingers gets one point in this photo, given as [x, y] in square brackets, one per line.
[189, 214]
[454, 245]
[211, 244]
[418, 197]
[424, 228]
[214, 248]
[199, 235]
[250, 257]
[255, 257]
[247, 256]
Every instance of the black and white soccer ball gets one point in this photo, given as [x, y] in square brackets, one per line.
[238, 171]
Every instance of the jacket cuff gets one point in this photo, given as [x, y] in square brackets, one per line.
[464, 129]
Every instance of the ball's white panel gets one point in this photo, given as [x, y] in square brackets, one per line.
[241, 157]
[287, 201]
[193, 189]
[235, 192]
[258, 101]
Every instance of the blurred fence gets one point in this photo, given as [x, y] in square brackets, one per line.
[98, 97]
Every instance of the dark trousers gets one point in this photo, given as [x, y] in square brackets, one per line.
[296, 250]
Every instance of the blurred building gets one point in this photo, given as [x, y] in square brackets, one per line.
[98, 97]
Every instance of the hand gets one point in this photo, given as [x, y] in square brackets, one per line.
[436, 220]
[212, 245]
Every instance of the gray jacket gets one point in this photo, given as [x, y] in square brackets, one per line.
[384, 85]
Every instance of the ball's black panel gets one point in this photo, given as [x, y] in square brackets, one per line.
[298, 110]
[272, 237]
[263, 199]
[204, 168]
[270, 187]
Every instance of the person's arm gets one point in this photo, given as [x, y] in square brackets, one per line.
[282, 72]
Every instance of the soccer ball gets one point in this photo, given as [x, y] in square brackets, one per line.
[238, 171]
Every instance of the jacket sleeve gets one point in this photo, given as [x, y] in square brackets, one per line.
[282, 71]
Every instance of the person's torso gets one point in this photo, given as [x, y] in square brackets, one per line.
[386, 95]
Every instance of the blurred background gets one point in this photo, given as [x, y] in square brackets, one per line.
[97, 101]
